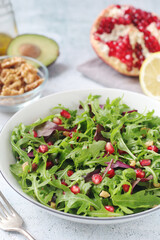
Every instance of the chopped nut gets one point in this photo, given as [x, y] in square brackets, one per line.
[104, 194]
[66, 134]
[17, 76]
[11, 92]
[148, 143]
[53, 205]
[12, 62]
[157, 185]
[132, 163]
[33, 85]
[91, 208]
[155, 206]
[28, 73]
[24, 165]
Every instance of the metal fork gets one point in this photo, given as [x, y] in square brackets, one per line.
[10, 220]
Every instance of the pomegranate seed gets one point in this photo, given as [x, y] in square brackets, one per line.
[152, 148]
[118, 6]
[139, 54]
[158, 24]
[125, 187]
[145, 162]
[122, 50]
[35, 133]
[106, 25]
[99, 31]
[43, 148]
[96, 178]
[70, 173]
[96, 37]
[109, 208]
[127, 19]
[57, 121]
[65, 114]
[70, 135]
[140, 173]
[72, 146]
[75, 189]
[121, 20]
[49, 143]
[111, 173]
[151, 42]
[64, 183]
[109, 148]
[34, 166]
[49, 164]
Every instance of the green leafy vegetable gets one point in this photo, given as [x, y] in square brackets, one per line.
[69, 166]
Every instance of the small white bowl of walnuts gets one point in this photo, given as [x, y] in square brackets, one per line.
[22, 80]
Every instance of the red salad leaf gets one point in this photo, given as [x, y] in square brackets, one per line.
[119, 164]
[123, 113]
[147, 179]
[140, 180]
[98, 136]
[30, 154]
[101, 106]
[47, 128]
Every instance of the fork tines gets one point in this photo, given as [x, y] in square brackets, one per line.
[4, 212]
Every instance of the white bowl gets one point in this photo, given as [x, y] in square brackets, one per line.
[41, 108]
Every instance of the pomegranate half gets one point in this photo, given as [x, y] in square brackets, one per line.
[123, 36]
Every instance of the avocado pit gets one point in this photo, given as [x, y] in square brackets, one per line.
[29, 50]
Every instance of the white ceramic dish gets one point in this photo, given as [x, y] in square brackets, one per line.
[41, 108]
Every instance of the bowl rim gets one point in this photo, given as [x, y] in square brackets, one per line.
[46, 75]
[69, 216]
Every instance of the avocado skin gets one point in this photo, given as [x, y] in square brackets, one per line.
[49, 47]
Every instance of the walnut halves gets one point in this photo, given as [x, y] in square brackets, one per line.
[17, 77]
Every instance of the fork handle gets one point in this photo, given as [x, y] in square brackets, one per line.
[25, 233]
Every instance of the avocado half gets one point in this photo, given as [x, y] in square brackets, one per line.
[40, 47]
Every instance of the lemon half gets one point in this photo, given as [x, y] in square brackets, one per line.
[150, 76]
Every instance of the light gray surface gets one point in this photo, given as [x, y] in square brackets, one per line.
[97, 70]
[69, 23]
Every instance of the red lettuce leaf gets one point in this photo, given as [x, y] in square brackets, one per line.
[119, 164]
[140, 180]
[47, 128]
[98, 136]
[123, 113]
[30, 154]
[147, 179]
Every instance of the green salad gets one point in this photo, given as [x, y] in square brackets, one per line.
[99, 160]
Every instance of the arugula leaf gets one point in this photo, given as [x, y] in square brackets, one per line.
[140, 199]
[78, 144]
[75, 200]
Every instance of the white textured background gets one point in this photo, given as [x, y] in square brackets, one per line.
[69, 23]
